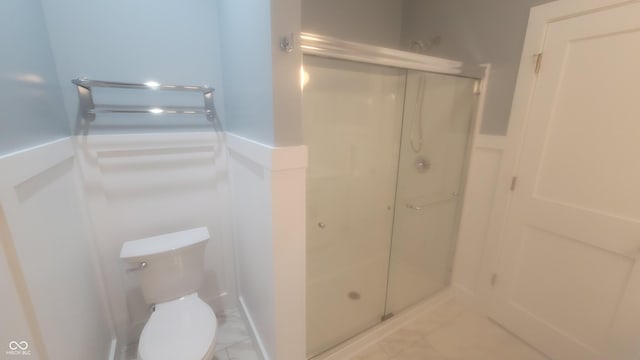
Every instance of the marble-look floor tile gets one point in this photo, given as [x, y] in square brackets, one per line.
[220, 355]
[428, 322]
[373, 352]
[515, 349]
[399, 340]
[131, 352]
[231, 329]
[449, 332]
[242, 351]
[420, 351]
[469, 336]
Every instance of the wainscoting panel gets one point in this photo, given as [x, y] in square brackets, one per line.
[55, 291]
[140, 185]
[269, 239]
[470, 276]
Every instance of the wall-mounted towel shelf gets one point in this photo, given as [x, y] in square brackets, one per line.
[88, 109]
[135, 109]
[88, 84]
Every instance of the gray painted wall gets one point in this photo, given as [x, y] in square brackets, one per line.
[30, 99]
[137, 41]
[377, 22]
[487, 31]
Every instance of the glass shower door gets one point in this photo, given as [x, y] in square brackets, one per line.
[352, 125]
[437, 123]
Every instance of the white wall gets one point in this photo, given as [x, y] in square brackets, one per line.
[264, 102]
[377, 22]
[477, 235]
[140, 185]
[476, 32]
[55, 297]
[269, 242]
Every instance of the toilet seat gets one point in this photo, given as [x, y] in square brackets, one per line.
[183, 329]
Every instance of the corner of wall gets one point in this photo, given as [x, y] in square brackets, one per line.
[269, 240]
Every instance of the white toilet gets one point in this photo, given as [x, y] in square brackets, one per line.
[171, 269]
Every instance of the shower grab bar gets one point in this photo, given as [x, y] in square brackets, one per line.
[424, 206]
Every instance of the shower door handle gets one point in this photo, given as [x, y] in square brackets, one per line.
[424, 206]
[415, 207]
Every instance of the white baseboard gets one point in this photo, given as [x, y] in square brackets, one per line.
[112, 349]
[356, 344]
[469, 298]
[254, 332]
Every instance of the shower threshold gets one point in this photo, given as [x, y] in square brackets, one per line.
[352, 346]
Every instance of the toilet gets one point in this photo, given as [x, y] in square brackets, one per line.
[170, 268]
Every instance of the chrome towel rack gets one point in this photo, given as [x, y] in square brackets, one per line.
[89, 109]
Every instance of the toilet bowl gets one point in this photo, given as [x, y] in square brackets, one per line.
[171, 269]
[184, 328]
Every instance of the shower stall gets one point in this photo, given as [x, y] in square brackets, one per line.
[388, 134]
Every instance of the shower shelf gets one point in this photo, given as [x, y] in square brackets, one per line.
[88, 109]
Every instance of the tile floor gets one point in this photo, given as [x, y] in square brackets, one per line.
[450, 332]
[233, 341]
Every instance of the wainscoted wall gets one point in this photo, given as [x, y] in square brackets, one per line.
[66, 208]
[268, 185]
[476, 237]
[53, 297]
[140, 185]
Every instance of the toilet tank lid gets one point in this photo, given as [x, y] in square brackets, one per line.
[163, 243]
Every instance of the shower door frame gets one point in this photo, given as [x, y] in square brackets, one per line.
[326, 46]
[330, 47]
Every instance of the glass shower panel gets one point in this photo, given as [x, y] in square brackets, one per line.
[438, 114]
[352, 125]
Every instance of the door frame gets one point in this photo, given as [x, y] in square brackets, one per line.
[540, 17]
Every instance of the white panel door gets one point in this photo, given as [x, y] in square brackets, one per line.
[569, 282]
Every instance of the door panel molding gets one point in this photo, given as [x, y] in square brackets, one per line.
[607, 239]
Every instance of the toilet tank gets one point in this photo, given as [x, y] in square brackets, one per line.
[169, 266]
